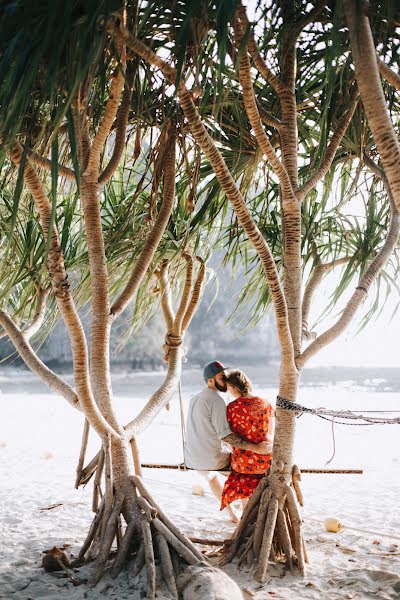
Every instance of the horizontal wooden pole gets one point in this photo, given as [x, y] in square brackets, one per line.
[183, 467]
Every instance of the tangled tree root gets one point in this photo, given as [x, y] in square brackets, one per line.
[147, 536]
[270, 528]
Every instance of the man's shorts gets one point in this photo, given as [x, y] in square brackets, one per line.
[210, 475]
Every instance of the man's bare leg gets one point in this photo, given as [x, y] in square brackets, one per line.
[216, 488]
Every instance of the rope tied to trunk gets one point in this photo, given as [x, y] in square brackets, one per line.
[328, 414]
[171, 341]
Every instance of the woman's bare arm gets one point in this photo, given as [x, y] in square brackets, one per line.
[237, 442]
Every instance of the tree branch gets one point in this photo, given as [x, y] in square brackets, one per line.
[332, 147]
[255, 120]
[46, 163]
[176, 329]
[387, 73]
[372, 166]
[60, 285]
[267, 118]
[207, 144]
[156, 233]
[185, 298]
[30, 358]
[255, 54]
[42, 295]
[194, 301]
[359, 294]
[165, 290]
[311, 16]
[110, 112]
[120, 134]
[319, 271]
[372, 96]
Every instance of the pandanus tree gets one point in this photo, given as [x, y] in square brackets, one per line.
[307, 131]
[272, 118]
[68, 239]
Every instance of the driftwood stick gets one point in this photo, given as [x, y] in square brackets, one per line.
[163, 517]
[207, 541]
[89, 538]
[70, 573]
[179, 546]
[97, 480]
[85, 437]
[149, 560]
[90, 468]
[124, 549]
[284, 537]
[260, 523]
[261, 572]
[303, 543]
[139, 560]
[136, 458]
[166, 565]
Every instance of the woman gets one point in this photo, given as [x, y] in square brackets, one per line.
[250, 417]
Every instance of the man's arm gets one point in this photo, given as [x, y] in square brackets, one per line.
[237, 442]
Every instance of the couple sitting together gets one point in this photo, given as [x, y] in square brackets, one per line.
[238, 436]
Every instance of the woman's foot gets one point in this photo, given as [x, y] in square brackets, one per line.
[232, 514]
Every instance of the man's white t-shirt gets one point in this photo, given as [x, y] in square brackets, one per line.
[206, 426]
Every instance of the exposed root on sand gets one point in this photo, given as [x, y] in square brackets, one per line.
[142, 533]
[270, 528]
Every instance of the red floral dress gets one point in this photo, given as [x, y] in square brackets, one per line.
[252, 419]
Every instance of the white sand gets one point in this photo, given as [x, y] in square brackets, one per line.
[39, 444]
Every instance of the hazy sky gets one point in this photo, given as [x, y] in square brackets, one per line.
[378, 344]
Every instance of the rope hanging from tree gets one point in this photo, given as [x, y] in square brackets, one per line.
[328, 414]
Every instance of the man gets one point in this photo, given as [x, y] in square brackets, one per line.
[207, 427]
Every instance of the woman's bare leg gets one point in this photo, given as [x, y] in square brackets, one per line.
[216, 488]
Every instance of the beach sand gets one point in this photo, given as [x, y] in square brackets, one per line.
[39, 444]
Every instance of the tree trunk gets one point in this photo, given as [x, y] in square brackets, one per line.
[270, 527]
[125, 500]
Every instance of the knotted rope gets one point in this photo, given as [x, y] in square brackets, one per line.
[171, 341]
[328, 414]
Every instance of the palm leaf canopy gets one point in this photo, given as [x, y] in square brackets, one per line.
[54, 53]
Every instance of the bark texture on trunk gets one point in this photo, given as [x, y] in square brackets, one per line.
[371, 92]
[61, 289]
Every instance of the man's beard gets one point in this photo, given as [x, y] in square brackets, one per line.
[220, 387]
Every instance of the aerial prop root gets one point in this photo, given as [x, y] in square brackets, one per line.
[270, 529]
[148, 536]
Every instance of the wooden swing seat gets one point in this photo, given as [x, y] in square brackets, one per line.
[183, 467]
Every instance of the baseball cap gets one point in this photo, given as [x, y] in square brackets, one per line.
[212, 369]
